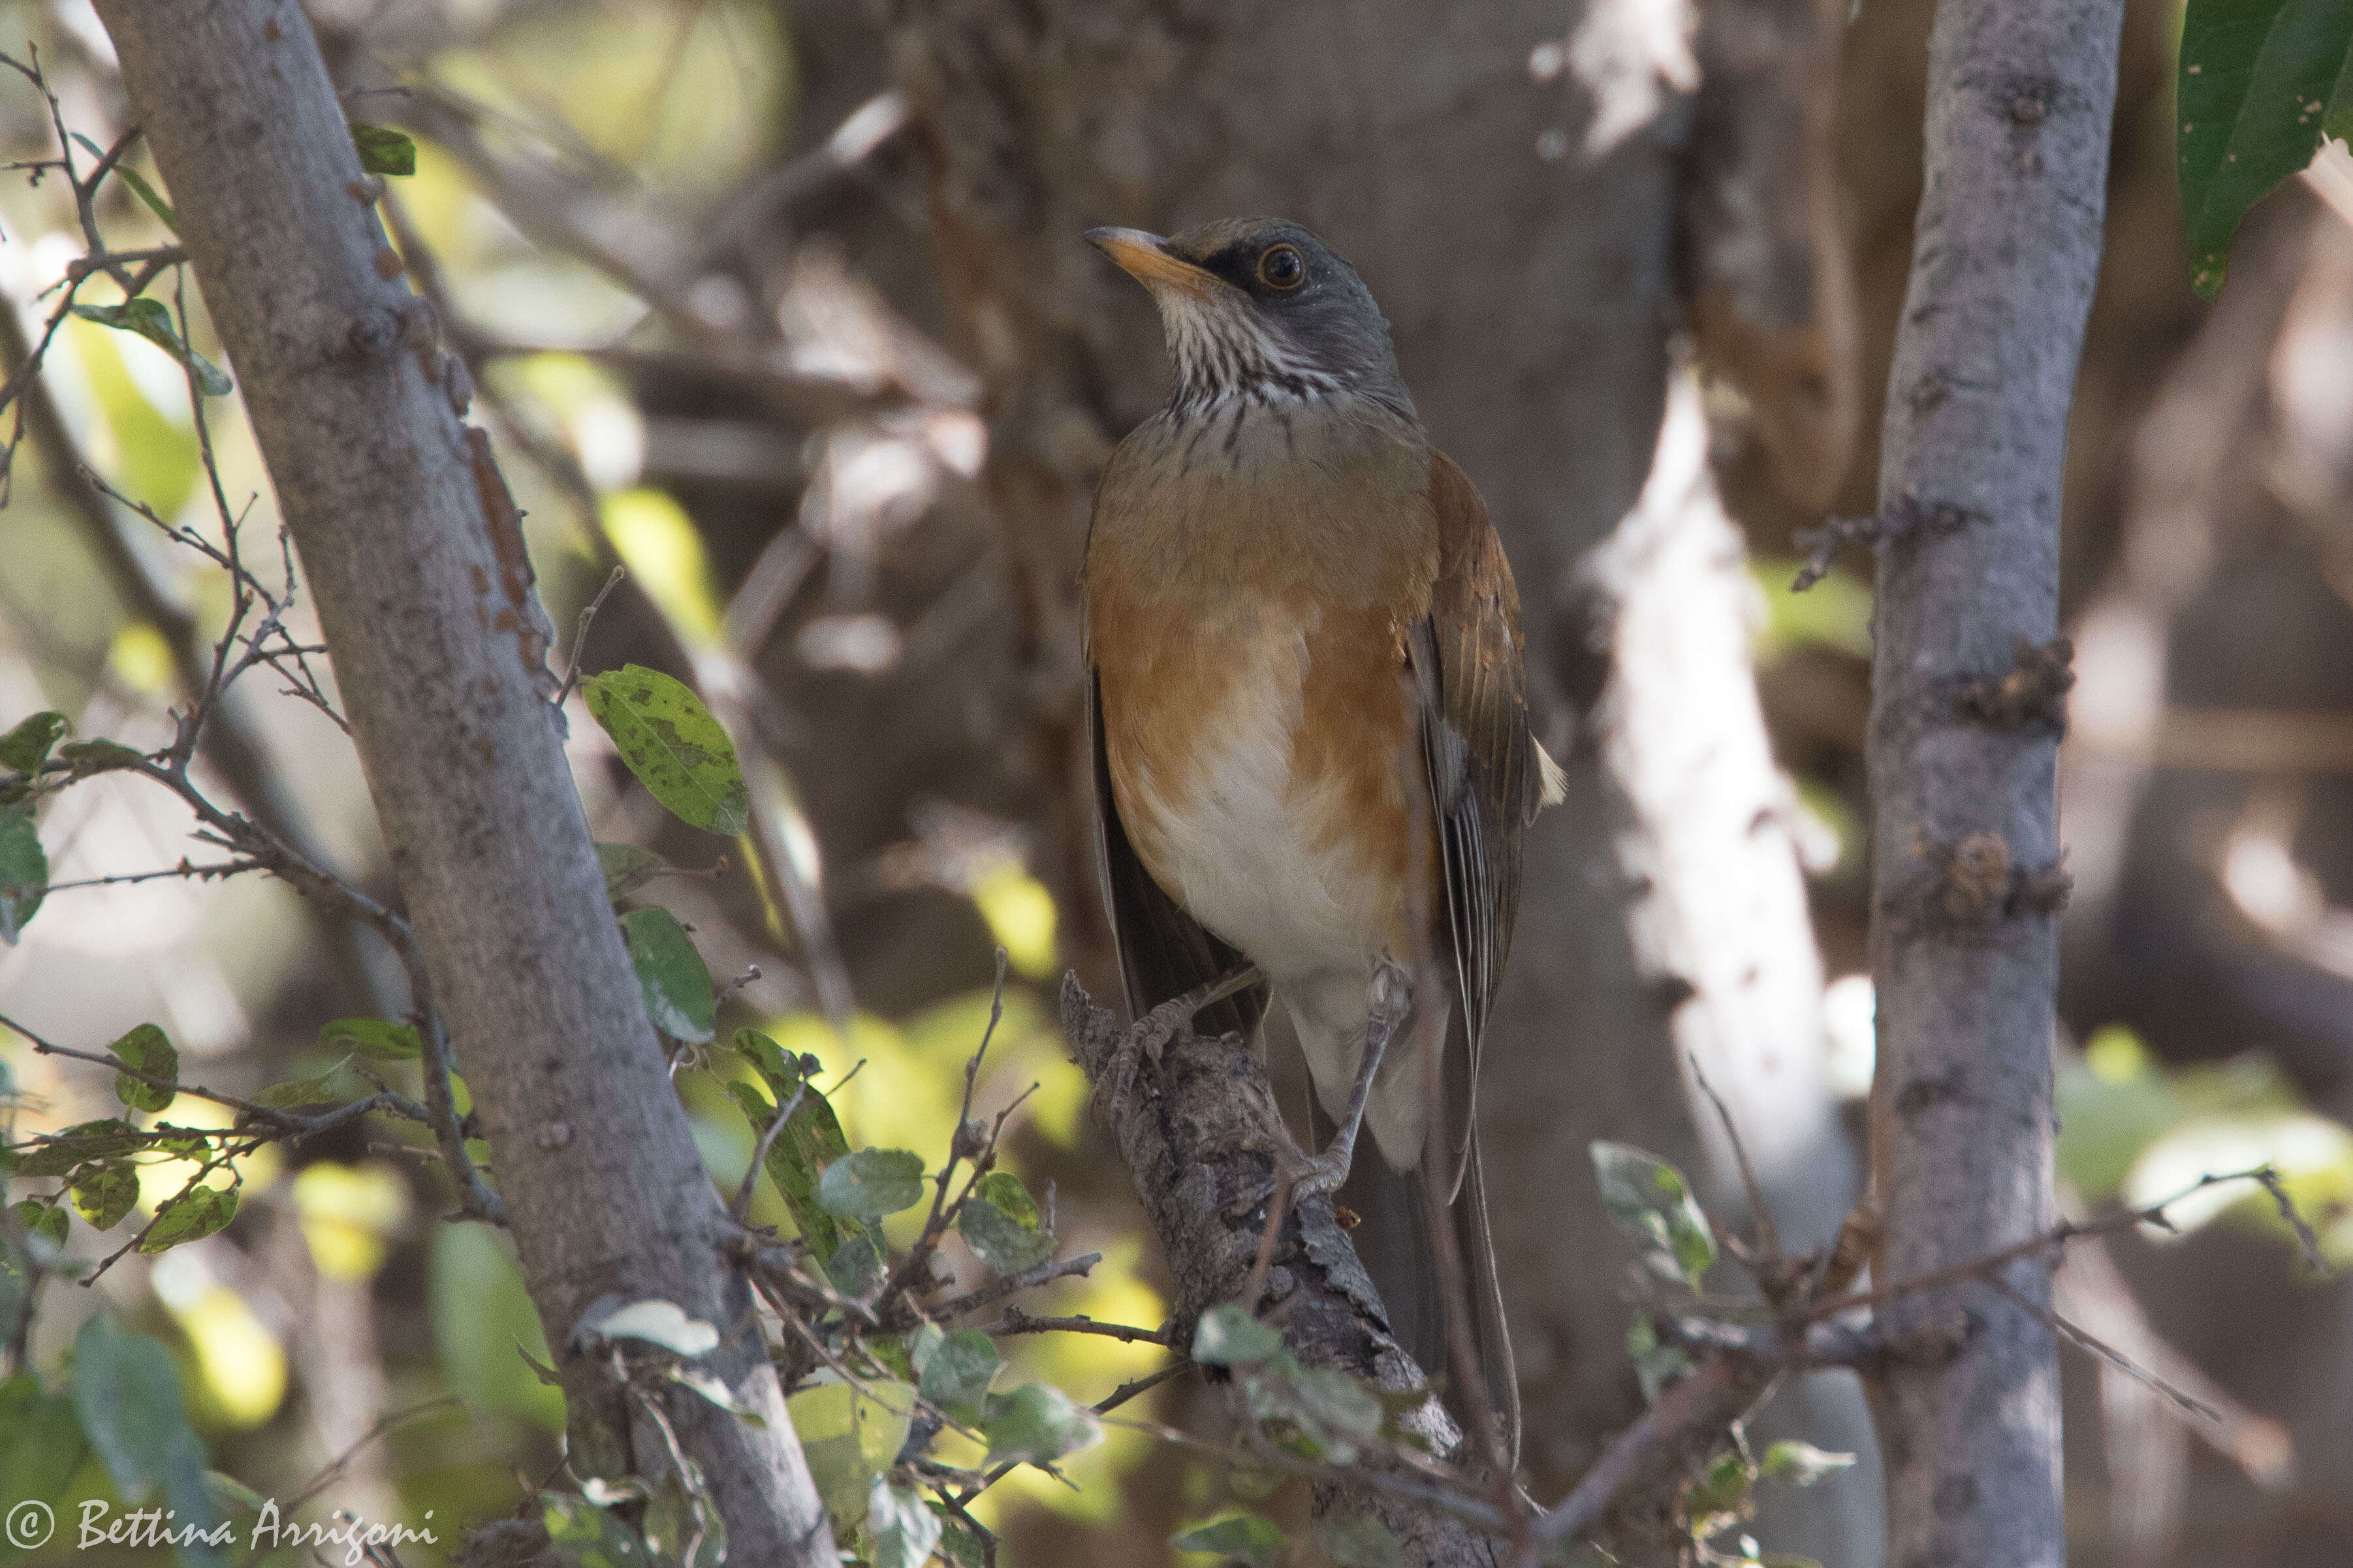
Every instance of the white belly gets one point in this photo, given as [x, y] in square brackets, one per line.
[1242, 854]
[1242, 859]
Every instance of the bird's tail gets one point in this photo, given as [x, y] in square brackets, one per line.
[1400, 1252]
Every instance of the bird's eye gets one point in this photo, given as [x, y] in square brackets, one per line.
[1281, 268]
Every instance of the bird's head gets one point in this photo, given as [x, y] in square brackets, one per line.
[1260, 309]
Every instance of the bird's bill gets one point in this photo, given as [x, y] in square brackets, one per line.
[1146, 258]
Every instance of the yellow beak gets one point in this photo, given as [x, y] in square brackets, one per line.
[1144, 257]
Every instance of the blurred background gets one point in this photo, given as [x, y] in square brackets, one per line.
[783, 307]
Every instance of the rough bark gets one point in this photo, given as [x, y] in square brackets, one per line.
[1200, 1132]
[1527, 269]
[2006, 251]
[416, 571]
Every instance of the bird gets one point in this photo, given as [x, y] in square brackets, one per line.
[1312, 752]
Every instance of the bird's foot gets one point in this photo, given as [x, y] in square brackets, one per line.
[1149, 1037]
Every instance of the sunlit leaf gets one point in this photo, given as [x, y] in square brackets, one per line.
[152, 319]
[672, 973]
[711, 1388]
[145, 1049]
[672, 742]
[1651, 1205]
[191, 1216]
[871, 1183]
[849, 1435]
[2260, 82]
[1800, 1464]
[102, 1195]
[1249, 1538]
[658, 1323]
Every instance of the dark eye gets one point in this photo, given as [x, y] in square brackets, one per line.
[1280, 268]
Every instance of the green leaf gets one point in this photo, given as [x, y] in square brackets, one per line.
[1249, 1538]
[715, 1391]
[1228, 1336]
[298, 1093]
[82, 1141]
[27, 747]
[1800, 1464]
[1655, 1364]
[627, 869]
[24, 872]
[146, 193]
[904, 1532]
[672, 973]
[145, 1049]
[384, 150]
[1358, 1541]
[810, 1141]
[373, 1038]
[190, 1217]
[127, 1393]
[41, 1443]
[673, 744]
[44, 1220]
[658, 1323]
[90, 757]
[850, 1434]
[682, 1526]
[585, 1536]
[2262, 82]
[102, 1195]
[152, 319]
[1001, 1223]
[480, 1314]
[1652, 1206]
[871, 1183]
[956, 1373]
[855, 1266]
[1723, 1491]
[1036, 1423]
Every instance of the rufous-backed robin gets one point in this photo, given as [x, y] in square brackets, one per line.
[1291, 593]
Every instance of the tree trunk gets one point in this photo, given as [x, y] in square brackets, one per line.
[1965, 879]
[416, 566]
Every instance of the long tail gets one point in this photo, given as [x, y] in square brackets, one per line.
[1400, 1253]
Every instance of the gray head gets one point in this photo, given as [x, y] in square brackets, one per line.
[1257, 308]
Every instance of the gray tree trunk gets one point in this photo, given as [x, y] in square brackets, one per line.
[2005, 253]
[415, 566]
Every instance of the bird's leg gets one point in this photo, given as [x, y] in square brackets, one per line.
[1150, 1035]
[1388, 1000]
